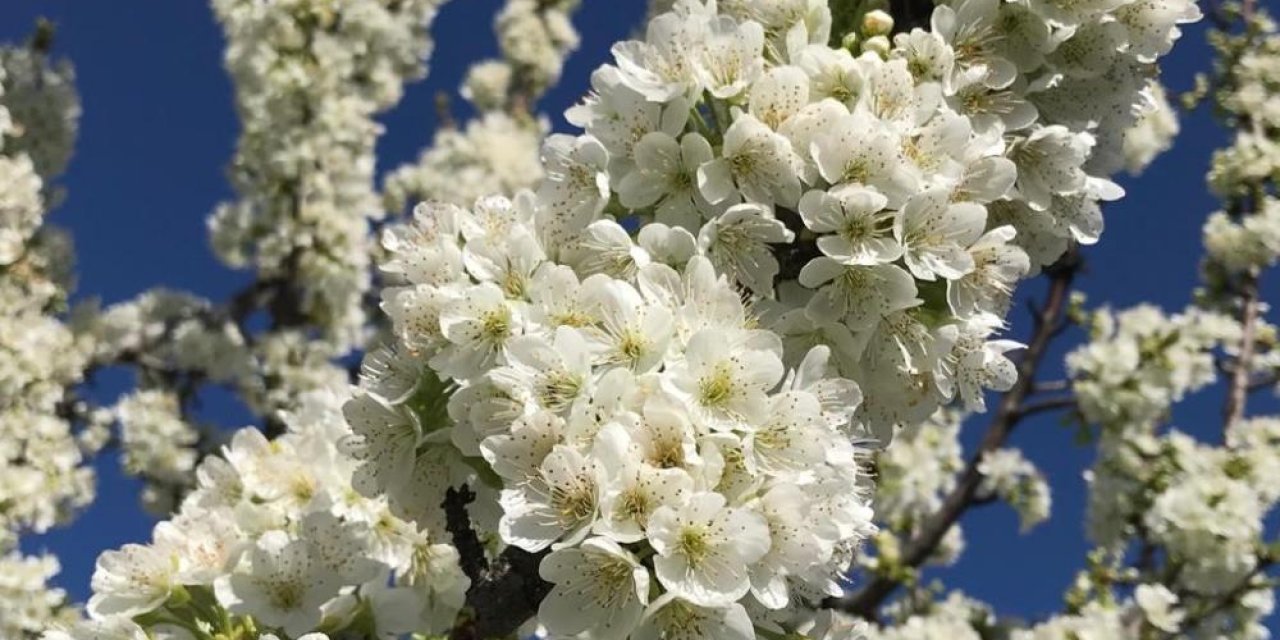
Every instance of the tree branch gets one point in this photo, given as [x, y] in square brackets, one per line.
[1238, 390]
[1223, 601]
[503, 593]
[1051, 385]
[458, 524]
[504, 597]
[1048, 320]
[1048, 404]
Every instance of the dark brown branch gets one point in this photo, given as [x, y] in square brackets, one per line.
[248, 300]
[504, 598]
[458, 523]
[503, 593]
[1048, 320]
[1047, 404]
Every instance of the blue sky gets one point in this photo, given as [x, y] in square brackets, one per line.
[159, 128]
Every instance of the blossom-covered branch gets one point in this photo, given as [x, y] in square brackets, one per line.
[45, 478]
[1012, 409]
[640, 397]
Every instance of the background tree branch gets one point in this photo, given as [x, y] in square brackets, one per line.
[1240, 383]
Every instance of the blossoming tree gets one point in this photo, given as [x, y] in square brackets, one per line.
[695, 371]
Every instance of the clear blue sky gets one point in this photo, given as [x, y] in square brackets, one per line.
[159, 128]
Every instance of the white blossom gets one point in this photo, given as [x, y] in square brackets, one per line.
[600, 588]
[704, 549]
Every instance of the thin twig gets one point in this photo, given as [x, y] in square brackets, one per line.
[1047, 404]
[1238, 391]
[1268, 381]
[1051, 385]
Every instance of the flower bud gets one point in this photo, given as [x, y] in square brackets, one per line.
[878, 44]
[877, 23]
[850, 42]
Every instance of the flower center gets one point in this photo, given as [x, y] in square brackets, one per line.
[557, 389]
[716, 389]
[632, 345]
[571, 318]
[635, 504]
[496, 324]
[693, 544]
[681, 621]
[514, 284]
[574, 504]
[285, 595]
[667, 454]
[856, 229]
[856, 171]
[610, 579]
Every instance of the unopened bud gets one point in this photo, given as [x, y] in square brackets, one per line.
[877, 23]
[850, 42]
[879, 44]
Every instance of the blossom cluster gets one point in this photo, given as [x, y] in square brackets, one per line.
[761, 251]
[1093, 620]
[1210, 517]
[28, 605]
[273, 538]
[624, 416]
[41, 477]
[662, 369]
[960, 617]
[1244, 245]
[310, 76]
[42, 111]
[1141, 361]
[957, 616]
[535, 37]
[1250, 95]
[172, 339]
[156, 441]
[1153, 133]
[1203, 506]
[38, 124]
[496, 152]
[1010, 476]
[44, 476]
[914, 476]
[1196, 507]
[178, 342]
[1253, 98]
